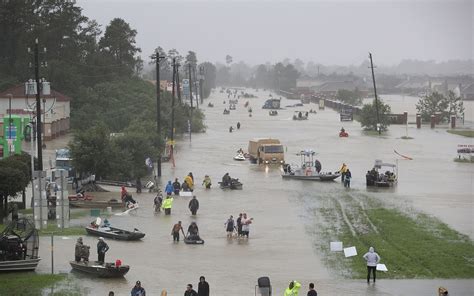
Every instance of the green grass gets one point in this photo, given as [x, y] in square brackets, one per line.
[464, 160]
[464, 133]
[52, 227]
[75, 214]
[33, 284]
[421, 248]
[411, 247]
[26, 211]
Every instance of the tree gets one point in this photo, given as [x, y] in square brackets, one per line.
[434, 103]
[223, 76]
[353, 98]
[456, 106]
[209, 78]
[261, 76]
[228, 60]
[191, 58]
[14, 177]
[91, 151]
[368, 116]
[118, 43]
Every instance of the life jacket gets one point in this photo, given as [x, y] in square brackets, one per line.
[167, 203]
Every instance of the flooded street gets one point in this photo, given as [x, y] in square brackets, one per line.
[281, 243]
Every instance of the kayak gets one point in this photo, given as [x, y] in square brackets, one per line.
[193, 242]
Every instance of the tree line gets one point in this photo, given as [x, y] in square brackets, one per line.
[101, 71]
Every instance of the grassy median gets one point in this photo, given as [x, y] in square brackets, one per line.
[464, 133]
[34, 284]
[411, 245]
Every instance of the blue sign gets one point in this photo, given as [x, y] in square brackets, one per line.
[186, 87]
[11, 132]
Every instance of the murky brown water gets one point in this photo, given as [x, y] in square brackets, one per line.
[279, 246]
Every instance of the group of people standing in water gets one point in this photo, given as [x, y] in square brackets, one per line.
[239, 227]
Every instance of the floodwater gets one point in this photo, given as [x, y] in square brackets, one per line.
[280, 245]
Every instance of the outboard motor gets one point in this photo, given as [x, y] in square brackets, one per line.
[264, 286]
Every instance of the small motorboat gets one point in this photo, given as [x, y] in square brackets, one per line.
[210, 105]
[115, 233]
[239, 157]
[107, 270]
[378, 178]
[309, 170]
[193, 241]
[235, 184]
[343, 134]
[300, 115]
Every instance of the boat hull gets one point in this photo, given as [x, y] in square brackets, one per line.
[103, 271]
[19, 265]
[125, 235]
[321, 177]
[94, 204]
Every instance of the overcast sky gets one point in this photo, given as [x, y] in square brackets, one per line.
[327, 32]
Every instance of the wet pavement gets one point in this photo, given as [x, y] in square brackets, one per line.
[279, 245]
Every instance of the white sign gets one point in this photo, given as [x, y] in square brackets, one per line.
[350, 252]
[336, 246]
[382, 267]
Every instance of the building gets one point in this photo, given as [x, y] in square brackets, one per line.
[55, 120]
[467, 93]
[330, 88]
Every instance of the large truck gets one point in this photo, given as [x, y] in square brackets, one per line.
[272, 104]
[64, 161]
[266, 151]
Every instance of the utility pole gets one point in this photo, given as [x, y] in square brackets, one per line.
[195, 88]
[190, 99]
[190, 86]
[178, 84]
[157, 59]
[201, 72]
[375, 93]
[39, 140]
[172, 107]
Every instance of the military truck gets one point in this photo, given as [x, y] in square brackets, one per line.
[266, 151]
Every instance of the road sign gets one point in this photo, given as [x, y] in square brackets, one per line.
[186, 87]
